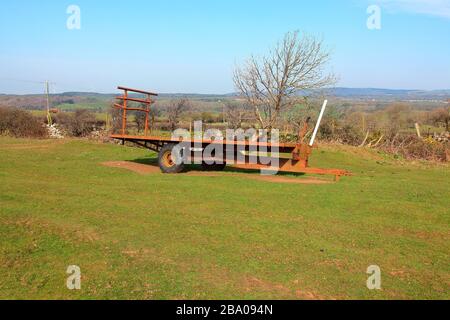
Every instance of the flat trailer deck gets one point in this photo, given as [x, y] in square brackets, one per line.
[245, 154]
[155, 143]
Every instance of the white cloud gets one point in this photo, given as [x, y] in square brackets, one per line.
[439, 8]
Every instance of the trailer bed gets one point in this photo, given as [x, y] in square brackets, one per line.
[155, 142]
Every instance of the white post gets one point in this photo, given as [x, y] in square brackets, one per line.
[322, 112]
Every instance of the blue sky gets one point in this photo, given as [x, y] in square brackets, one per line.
[193, 46]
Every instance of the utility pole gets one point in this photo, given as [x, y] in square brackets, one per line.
[49, 117]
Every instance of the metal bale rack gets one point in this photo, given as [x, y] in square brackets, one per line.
[165, 147]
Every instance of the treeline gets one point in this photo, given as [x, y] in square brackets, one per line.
[39, 102]
[398, 129]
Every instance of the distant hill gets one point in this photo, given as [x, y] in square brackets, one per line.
[97, 101]
[86, 94]
[349, 93]
[374, 93]
[161, 95]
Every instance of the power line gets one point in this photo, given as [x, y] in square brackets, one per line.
[90, 89]
[23, 80]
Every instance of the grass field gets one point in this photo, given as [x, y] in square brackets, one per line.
[96, 106]
[201, 237]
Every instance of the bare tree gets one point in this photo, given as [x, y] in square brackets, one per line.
[154, 113]
[139, 120]
[115, 115]
[272, 84]
[297, 114]
[174, 110]
[441, 117]
[397, 117]
[234, 113]
[140, 117]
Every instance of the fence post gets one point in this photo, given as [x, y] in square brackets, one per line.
[147, 115]
[124, 116]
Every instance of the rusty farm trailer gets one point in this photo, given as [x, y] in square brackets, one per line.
[241, 156]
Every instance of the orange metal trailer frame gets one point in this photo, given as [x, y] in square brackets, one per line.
[239, 156]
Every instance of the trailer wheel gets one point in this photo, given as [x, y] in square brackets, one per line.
[166, 160]
[213, 167]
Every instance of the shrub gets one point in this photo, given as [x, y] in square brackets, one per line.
[344, 133]
[20, 124]
[413, 148]
[427, 149]
[209, 117]
[115, 115]
[81, 123]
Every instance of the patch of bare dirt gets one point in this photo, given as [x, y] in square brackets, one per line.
[203, 174]
[70, 232]
[279, 179]
[423, 235]
[153, 169]
[213, 275]
[402, 274]
[133, 166]
[252, 283]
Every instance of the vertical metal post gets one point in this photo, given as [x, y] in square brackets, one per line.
[124, 116]
[147, 115]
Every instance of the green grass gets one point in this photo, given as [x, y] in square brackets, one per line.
[198, 237]
[100, 105]
[101, 116]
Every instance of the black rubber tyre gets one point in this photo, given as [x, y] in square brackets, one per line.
[166, 162]
[213, 167]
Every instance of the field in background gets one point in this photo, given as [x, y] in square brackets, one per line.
[221, 236]
[100, 106]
